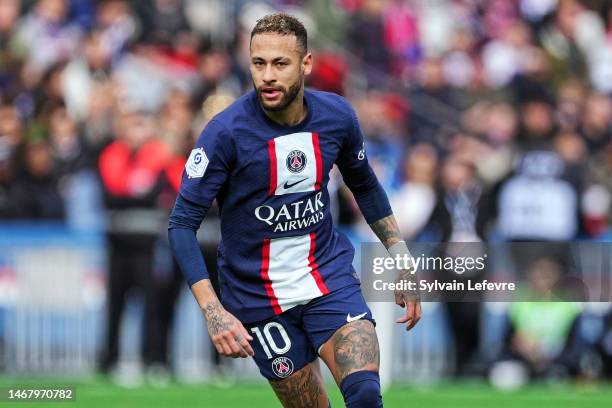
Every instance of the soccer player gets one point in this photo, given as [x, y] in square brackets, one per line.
[289, 293]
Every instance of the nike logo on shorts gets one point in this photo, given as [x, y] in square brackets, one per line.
[350, 318]
[287, 185]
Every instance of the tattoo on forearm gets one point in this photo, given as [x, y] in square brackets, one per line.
[218, 319]
[387, 231]
[301, 390]
[356, 348]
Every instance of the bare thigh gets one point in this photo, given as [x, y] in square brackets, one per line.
[302, 389]
[353, 347]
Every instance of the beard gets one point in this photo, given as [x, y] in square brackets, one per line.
[288, 97]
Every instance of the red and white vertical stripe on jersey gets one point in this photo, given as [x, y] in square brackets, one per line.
[273, 176]
[290, 271]
[265, 266]
[285, 181]
[318, 160]
[312, 264]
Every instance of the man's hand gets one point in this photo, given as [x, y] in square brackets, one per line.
[409, 299]
[226, 332]
[387, 231]
[413, 309]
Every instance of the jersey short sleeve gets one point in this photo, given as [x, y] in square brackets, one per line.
[208, 166]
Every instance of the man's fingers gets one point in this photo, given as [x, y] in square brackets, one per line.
[416, 315]
[218, 347]
[404, 318]
[410, 312]
[226, 350]
[244, 341]
[243, 344]
[246, 347]
[246, 333]
[234, 346]
[412, 316]
[399, 299]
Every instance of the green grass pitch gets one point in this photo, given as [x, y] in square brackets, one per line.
[99, 393]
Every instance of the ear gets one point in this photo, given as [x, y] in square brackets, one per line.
[307, 63]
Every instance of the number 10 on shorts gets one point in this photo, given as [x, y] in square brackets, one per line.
[267, 342]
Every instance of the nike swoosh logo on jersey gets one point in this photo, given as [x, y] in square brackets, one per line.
[288, 186]
[350, 318]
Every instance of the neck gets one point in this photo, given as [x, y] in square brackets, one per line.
[292, 115]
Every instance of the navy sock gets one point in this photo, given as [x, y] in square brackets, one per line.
[361, 389]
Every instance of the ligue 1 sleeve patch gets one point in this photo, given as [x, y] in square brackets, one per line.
[197, 163]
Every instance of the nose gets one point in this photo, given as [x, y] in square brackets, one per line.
[268, 74]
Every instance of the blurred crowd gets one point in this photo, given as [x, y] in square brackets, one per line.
[484, 119]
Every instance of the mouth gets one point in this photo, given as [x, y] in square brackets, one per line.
[270, 93]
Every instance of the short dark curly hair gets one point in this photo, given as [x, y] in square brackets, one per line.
[284, 24]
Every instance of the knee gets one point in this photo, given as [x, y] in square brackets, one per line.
[361, 389]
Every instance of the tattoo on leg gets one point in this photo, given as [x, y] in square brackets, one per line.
[356, 348]
[302, 389]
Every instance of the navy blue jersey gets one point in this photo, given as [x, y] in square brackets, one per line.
[278, 246]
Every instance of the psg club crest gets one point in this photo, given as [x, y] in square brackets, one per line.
[296, 161]
[282, 366]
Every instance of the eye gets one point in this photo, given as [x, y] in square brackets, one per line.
[281, 64]
[258, 63]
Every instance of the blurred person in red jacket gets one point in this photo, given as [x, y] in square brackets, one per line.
[131, 169]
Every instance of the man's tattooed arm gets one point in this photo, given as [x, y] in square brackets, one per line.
[387, 231]
[226, 332]
[217, 318]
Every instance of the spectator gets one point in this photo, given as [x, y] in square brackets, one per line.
[414, 202]
[46, 37]
[81, 75]
[161, 20]
[543, 335]
[596, 128]
[365, 36]
[131, 171]
[36, 193]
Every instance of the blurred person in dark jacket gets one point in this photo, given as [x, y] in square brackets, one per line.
[131, 169]
[456, 214]
[571, 97]
[439, 203]
[596, 126]
[432, 105]
[366, 39]
[35, 192]
[539, 199]
[69, 149]
[161, 20]
[11, 134]
[76, 170]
